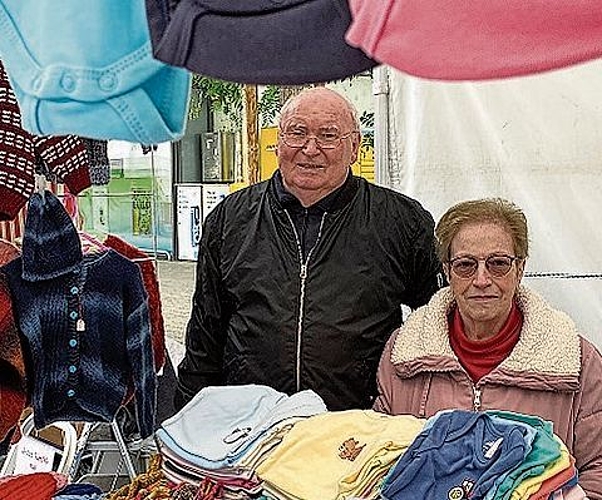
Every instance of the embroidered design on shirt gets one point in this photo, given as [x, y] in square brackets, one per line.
[490, 447]
[461, 492]
[350, 449]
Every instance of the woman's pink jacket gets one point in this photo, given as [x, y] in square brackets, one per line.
[552, 372]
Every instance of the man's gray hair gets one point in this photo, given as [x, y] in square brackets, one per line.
[288, 105]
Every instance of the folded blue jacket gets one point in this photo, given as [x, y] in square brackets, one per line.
[86, 68]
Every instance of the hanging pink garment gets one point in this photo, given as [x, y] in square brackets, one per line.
[477, 39]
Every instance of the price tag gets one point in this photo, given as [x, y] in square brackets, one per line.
[33, 455]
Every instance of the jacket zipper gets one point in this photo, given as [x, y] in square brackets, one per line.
[303, 276]
[476, 401]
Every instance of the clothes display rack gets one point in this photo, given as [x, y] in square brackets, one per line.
[103, 445]
[95, 452]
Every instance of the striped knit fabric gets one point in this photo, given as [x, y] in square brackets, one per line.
[16, 154]
[98, 159]
[65, 156]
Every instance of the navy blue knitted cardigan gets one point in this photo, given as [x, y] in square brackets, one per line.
[86, 324]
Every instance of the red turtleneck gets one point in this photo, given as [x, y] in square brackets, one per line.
[479, 357]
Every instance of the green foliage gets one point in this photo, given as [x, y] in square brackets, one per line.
[227, 98]
[222, 96]
[269, 105]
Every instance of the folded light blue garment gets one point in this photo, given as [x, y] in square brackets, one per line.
[87, 69]
[220, 423]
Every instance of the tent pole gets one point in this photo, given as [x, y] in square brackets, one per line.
[380, 89]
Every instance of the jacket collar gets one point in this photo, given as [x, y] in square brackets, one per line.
[332, 202]
[549, 342]
[51, 245]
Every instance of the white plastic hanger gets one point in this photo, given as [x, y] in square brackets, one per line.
[40, 184]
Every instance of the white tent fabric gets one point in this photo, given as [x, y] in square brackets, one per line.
[535, 140]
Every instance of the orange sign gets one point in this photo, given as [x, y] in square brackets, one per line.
[268, 138]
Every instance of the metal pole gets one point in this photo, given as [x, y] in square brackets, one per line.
[154, 205]
[380, 89]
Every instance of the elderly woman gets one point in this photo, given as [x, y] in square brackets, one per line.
[488, 342]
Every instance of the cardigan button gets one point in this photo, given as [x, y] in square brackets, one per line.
[72, 369]
[74, 290]
[73, 314]
[73, 343]
[70, 393]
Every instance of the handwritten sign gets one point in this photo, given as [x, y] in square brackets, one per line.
[33, 455]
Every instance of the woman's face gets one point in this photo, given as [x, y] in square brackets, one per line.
[484, 301]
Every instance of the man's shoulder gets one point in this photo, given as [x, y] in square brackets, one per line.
[245, 199]
[237, 209]
[395, 202]
[247, 194]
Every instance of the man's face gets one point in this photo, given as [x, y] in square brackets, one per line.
[311, 172]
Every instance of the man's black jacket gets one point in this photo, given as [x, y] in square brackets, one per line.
[264, 315]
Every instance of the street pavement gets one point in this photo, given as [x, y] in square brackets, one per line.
[176, 283]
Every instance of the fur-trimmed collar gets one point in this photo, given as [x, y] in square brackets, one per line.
[548, 344]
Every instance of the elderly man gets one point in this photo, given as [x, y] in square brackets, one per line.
[301, 278]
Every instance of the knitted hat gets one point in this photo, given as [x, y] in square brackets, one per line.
[51, 246]
[257, 41]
